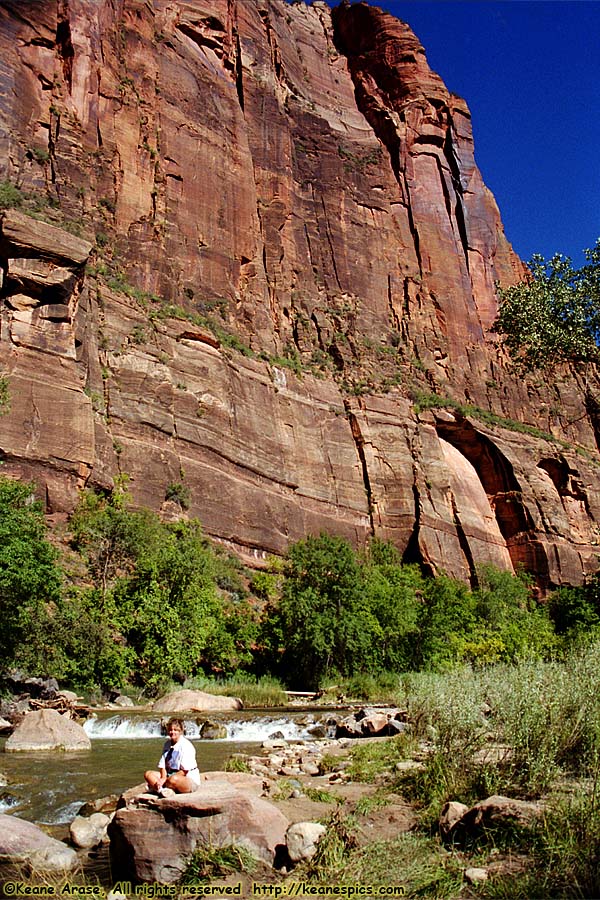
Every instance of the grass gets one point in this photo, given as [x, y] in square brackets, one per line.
[423, 401]
[373, 760]
[236, 764]
[208, 863]
[264, 692]
[320, 795]
[417, 865]
[383, 687]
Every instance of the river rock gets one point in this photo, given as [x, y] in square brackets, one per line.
[24, 844]
[152, 842]
[243, 780]
[495, 811]
[87, 832]
[318, 731]
[476, 875]
[180, 701]
[302, 839]
[122, 702]
[375, 723]
[452, 812]
[46, 729]
[213, 731]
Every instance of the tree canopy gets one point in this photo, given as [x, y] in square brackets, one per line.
[30, 579]
[553, 316]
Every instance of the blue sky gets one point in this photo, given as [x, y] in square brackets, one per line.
[530, 72]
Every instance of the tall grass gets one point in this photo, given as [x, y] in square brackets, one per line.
[506, 729]
[564, 853]
[253, 692]
[549, 713]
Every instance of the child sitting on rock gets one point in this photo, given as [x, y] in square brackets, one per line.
[177, 768]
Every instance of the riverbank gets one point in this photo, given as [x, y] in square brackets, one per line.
[424, 811]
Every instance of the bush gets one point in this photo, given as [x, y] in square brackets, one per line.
[10, 195]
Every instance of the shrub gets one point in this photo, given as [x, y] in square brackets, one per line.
[10, 195]
[4, 395]
[178, 493]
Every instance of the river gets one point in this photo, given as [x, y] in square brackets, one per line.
[51, 787]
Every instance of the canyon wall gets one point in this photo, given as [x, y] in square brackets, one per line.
[248, 261]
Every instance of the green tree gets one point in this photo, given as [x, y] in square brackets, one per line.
[575, 611]
[553, 316]
[393, 592]
[510, 621]
[154, 612]
[446, 623]
[324, 618]
[169, 610]
[30, 581]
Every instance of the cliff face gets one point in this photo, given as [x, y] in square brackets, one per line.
[262, 246]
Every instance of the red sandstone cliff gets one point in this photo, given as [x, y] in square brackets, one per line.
[261, 242]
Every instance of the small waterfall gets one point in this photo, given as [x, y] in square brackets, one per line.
[240, 730]
[126, 727]
[7, 802]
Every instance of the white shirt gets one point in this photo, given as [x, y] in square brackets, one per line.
[181, 755]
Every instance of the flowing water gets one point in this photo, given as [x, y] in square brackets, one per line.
[50, 788]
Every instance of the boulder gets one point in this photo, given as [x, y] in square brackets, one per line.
[395, 726]
[242, 780]
[100, 804]
[14, 710]
[375, 723]
[46, 729]
[29, 237]
[318, 730]
[87, 832]
[180, 701]
[39, 688]
[452, 812]
[213, 731]
[152, 839]
[302, 839]
[24, 844]
[122, 701]
[349, 727]
[494, 812]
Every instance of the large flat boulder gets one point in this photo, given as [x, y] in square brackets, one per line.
[180, 701]
[24, 844]
[46, 729]
[29, 237]
[151, 839]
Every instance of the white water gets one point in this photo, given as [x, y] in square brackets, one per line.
[241, 730]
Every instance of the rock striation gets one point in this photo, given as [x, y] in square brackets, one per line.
[280, 291]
